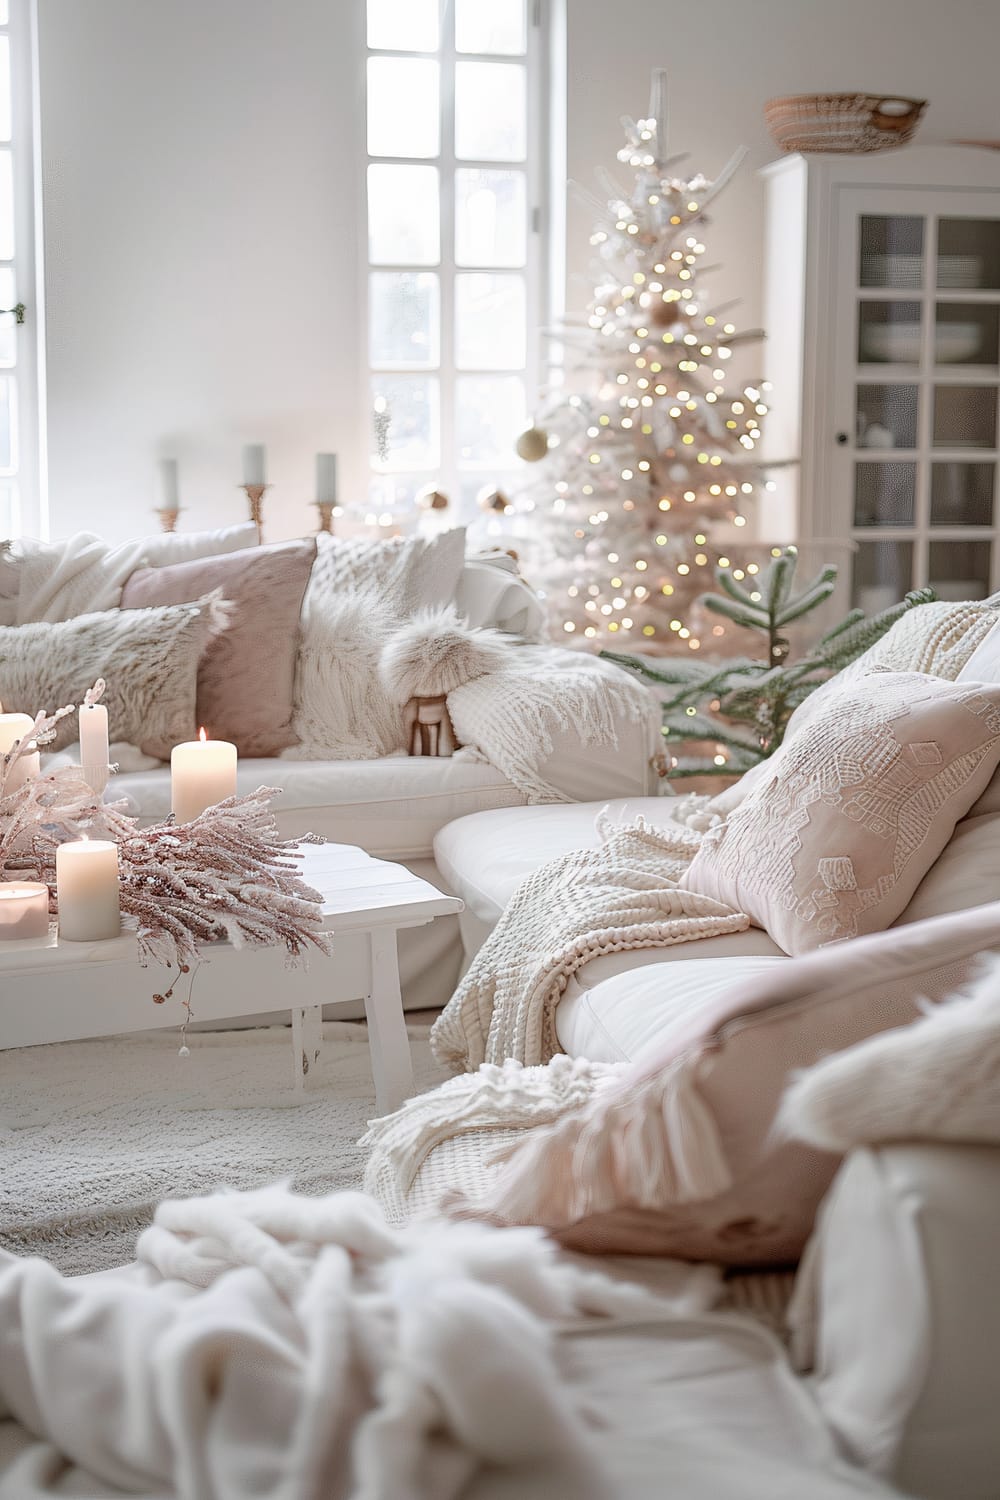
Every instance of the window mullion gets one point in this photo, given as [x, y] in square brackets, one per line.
[449, 482]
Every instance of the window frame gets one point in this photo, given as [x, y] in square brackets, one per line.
[449, 475]
[27, 476]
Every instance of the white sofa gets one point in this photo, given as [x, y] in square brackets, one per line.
[896, 1322]
[395, 806]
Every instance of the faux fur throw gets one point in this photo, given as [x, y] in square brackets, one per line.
[278, 1345]
[622, 895]
[436, 652]
[515, 715]
[342, 711]
[935, 1080]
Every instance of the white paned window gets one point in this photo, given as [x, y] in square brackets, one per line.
[21, 505]
[455, 173]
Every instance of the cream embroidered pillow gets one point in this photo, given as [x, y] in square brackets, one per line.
[856, 809]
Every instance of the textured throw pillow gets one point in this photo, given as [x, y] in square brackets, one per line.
[414, 572]
[147, 657]
[937, 1079]
[83, 573]
[359, 592]
[679, 1155]
[246, 676]
[855, 810]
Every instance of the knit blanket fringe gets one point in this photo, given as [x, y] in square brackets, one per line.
[621, 895]
[514, 715]
[570, 1143]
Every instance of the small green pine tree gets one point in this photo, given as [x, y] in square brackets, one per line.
[744, 705]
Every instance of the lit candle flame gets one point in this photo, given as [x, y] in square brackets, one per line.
[202, 735]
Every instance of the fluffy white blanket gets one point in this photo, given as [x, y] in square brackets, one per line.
[622, 894]
[298, 1348]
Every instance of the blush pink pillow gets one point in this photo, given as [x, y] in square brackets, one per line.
[680, 1156]
[857, 806]
[246, 676]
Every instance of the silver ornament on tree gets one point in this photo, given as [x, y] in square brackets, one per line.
[532, 445]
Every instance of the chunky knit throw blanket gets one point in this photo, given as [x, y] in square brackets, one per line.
[621, 895]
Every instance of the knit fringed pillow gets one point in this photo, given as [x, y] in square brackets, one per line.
[680, 1157]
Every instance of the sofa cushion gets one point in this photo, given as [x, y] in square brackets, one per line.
[896, 1314]
[612, 1017]
[520, 840]
[391, 807]
[855, 810]
[246, 674]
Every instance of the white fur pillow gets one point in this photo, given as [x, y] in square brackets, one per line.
[436, 652]
[936, 1079]
[148, 658]
[342, 711]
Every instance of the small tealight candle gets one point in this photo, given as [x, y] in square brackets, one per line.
[14, 727]
[24, 910]
[94, 745]
[202, 773]
[87, 890]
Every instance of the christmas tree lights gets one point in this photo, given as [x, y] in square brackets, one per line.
[654, 455]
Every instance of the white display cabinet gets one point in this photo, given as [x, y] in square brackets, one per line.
[882, 305]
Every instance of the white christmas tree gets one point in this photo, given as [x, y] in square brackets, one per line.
[653, 452]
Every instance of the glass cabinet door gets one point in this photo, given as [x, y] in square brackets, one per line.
[924, 445]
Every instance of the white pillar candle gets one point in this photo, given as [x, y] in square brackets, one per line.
[87, 890]
[14, 727]
[167, 487]
[254, 468]
[326, 478]
[24, 910]
[202, 773]
[94, 745]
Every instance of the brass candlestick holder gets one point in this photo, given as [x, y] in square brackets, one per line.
[255, 497]
[168, 517]
[327, 510]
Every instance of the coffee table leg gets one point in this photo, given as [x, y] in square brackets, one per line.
[392, 1067]
[307, 1039]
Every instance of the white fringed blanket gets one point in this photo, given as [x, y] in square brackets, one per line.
[295, 1347]
[621, 895]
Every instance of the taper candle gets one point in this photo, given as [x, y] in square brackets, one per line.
[14, 727]
[202, 773]
[87, 890]
[24, 910]
[94, 745]
[326, 478]
[167, 488]
[254, 464]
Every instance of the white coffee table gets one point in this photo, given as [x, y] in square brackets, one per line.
[59, 992]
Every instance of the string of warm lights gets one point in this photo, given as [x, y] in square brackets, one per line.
[652, 458]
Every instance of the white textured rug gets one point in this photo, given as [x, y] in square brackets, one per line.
[93, 1134]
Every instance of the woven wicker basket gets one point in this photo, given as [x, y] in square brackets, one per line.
[842, 122]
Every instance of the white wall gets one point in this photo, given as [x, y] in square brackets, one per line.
[202, 158]
[201, 170]
[726, 57]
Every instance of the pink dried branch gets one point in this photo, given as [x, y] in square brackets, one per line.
[225, 875]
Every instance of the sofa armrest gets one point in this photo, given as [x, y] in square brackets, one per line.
[896, 1305]
[562, 726]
